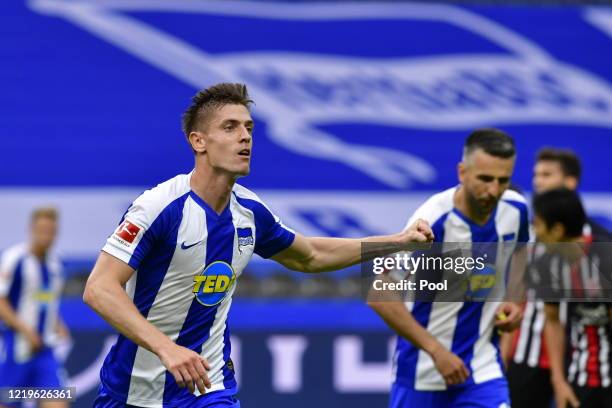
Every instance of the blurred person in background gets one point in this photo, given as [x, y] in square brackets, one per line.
[31, 281]
[557, 168]
[575, 269]
[179, 250]
[525, 350]
[447, 354]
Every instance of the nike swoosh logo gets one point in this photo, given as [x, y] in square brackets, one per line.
[183, 246]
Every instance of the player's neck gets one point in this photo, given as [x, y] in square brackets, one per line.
[573, 249]
[38, 251]
[462, 203]
[214, 188]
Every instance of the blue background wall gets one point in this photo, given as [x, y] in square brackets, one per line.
[355, 104]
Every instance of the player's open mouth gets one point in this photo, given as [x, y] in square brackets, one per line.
[245, 153]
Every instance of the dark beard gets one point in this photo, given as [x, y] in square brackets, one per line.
[476, 207]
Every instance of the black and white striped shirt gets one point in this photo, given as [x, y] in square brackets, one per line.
[584, 285]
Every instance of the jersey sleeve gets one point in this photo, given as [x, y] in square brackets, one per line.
[272, 236]
[137, 232]
[519, 202]
[421, 213]
[8, 264]
[523, 235]
[434, 214]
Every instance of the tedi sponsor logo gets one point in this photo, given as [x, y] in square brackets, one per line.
[212, 285]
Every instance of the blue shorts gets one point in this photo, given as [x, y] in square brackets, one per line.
[42, 370]
[215, 399]
[489, 394]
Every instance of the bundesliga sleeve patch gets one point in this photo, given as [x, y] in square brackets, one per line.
[127, 232]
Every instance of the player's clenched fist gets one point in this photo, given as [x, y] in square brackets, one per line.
[419, 231]
[187, 367]
[508, 316]
[450, 366]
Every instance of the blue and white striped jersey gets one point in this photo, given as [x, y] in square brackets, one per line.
[465, 328]
[33, 288]
[187, 259]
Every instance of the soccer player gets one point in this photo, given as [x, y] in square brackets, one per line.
[528, 367]
[179, 250]
[576, 270]
[31, 282]
[555, 168]
[447, 352]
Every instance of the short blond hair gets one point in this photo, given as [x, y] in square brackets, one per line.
[44, 212]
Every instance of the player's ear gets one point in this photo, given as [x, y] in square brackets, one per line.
[197, 142]
[571, 183]
[558, 231]
[461, 172]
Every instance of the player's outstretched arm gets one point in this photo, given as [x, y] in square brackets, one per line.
[399, 318]
[320, 254]
[105, 294]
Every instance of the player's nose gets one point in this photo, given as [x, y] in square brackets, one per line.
[494, 189]
[245, 135]
[537, 184]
